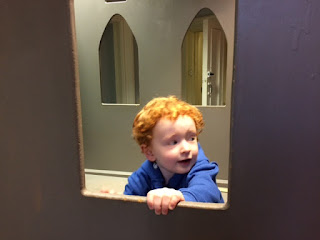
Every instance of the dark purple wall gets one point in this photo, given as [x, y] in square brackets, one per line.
[275, 181]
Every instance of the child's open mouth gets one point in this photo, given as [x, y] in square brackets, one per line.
[186, 161]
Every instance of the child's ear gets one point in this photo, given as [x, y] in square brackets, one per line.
[146, 150]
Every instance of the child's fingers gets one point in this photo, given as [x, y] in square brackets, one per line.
[157, 204]
[175, 199]
[105, 190]
[110, 191]
[163, 200]
[173, 202]
[165, 204]
[154, 201]
[150, 197]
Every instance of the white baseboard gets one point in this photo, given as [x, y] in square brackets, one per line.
[222, 183]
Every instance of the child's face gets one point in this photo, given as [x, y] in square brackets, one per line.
[174, 146]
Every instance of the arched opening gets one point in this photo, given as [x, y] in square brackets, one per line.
[204, 55]
[118, 57]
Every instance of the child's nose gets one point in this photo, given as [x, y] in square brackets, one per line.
[185, 147]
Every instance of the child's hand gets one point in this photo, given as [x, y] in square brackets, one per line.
[110, 191]
[162, 199]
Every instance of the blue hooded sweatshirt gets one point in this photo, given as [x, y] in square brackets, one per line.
[198, 185]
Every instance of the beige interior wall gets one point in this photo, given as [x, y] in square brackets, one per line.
[159, 29]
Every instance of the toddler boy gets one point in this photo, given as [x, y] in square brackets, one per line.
[176, 168]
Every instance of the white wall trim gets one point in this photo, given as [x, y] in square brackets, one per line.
[127, 174]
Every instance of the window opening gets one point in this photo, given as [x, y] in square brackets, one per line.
[204, 55]
[118, 56]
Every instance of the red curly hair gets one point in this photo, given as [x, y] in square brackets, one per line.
[163, 107]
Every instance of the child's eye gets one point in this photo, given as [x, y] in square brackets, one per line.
[173, 142]
[192, 139]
